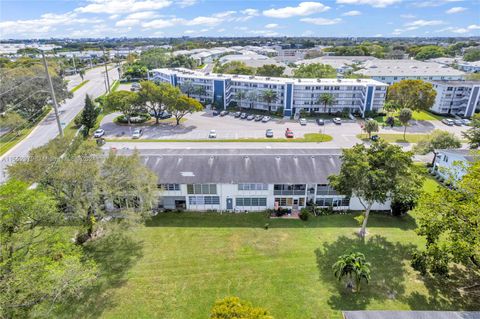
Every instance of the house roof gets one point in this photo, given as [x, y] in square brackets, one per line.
[268, 166]
[410, 315]
[469, 155]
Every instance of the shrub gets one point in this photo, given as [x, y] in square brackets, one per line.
[281, 211]
[234, 307]
[400, 208]
[134, 118]
[305, 213]
[324, 211]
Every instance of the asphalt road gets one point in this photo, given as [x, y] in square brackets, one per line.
[47, 129]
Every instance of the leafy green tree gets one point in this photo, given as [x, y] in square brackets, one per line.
[12, 120]
[438, 139]
[472, 55]
[81, 72]
[187, 87]
[89, 115]
[416, 95]
[152, 97]
[240, 95]
[253, 97]
[370, 126]
[234, 67]
[315, 70]
[235, 308]
[448, 219]
[135, 70]
[354, 268]
[270, 70]
[122, 101]
[39, 267]
[430, 52]
[180, 105]
[373, 174]
[327, 99]
[181, 61]
[154, 58]
[473, 133]
[404, 117]
[269, 96]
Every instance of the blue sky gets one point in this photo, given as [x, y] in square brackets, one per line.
[171, 18]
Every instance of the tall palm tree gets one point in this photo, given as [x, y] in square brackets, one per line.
[200, 90]
[187, 87]
[354, 267]
[327, 99]
[240, 95]
[252, 97]
[269, 96]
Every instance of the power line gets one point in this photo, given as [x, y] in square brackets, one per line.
[52, 92]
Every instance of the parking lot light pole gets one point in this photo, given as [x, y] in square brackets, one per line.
[52, 92]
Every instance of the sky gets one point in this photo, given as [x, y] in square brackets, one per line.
[25, 19]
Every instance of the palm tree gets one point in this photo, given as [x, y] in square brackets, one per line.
[269, 96]
[327, 99]
[252, 97]
[200, 90]
[81, 73]
[187, 87]
[354, 267]
[240, 95]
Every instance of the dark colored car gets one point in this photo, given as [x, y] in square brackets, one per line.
[215, 113]
[269, 133]
[320, 121]
[375, 137]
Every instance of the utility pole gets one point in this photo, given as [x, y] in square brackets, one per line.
[52, 92]
[106, 70]
[74, 66]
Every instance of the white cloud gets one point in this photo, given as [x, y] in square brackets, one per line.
[186, 3]
[303, 9]
[271, 26]
[321, 21]
[189, 31]
[266, 33]
[198, 21]
[114, 16]
[161, 23]
[352, 13]
[250, 12]
[142, 15]
[455, 10]
[373, 3]
[433, 3]
[473, 27]
[423, 23]
[127, 23]
[378, 35]
[209, 21]
[122, 6]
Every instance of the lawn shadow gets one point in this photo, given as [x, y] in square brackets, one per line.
[387, 270]
[459, 291]
[114, 255]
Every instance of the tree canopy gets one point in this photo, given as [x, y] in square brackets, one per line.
[315, 70]
[473, 133]
[472, 55]
[429, 52]
[234, 67]
[270, 70]
[122, 101]
[438, 139]
[416, 95]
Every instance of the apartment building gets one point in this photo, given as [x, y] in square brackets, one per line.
[451, 164]
[457, 97]
[292, 94]
[237, 180]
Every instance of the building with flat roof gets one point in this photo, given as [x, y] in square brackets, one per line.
[237, 180]
[460, 98]
[292, 94]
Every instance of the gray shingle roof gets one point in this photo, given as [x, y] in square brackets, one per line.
[242, 165]
[410, 315]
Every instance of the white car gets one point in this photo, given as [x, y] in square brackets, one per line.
[448, 122]
[137, 133]
[466, 122]
[337, 120]
[99, 133]
[303, 121]
[265, 119]
[212, 134]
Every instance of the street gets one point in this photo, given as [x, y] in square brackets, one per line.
[47, 129]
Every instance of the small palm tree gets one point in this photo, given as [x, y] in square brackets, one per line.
[240, 95]
[327, 99]
[269, 96]
[200, 90]
[187, 87]
[354, 267]
[81, 73]
[252, 96]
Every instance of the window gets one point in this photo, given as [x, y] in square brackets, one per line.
[204, 200]
[325, 189]
[254, 201]
[169, 187]
[201, 188]
[252, 187]
[333, 202]
[289, 189]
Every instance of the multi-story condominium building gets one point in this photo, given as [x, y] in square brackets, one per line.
[291, 94]
[237, 180]
[456, 97]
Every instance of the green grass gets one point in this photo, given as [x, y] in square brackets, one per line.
[416, 115]
[396, 138]
[79, 86]
[309, 137]
[115, 86]
[9, 140]
[177, 265]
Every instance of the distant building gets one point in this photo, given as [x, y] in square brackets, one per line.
[453, 163]
[238, 180]
[292, 94]
[456, 97]
[469, 67]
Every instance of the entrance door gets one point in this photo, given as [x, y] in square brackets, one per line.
[295, 204]
[229, 203]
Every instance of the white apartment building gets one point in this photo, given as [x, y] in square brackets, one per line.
[292, 94]
[457, 97]
[238, 180]
[451, 164]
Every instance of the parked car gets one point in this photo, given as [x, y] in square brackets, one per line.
[237, 114]
[137, 133]
[212, 134]
[223, 113]
[458, 122]
[375, 137]
[258, 118]
[269, 133]
[467, 122]
[99, 133]
[288, 133]
[303, 121]
[250, 117]
[320, 121]
[165, 115]
[215, 113]
[266, 118]
[337, 120]
[448, 122]
[135, 87]
[243, 116]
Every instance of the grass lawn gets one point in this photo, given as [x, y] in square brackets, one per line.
[396, 138]
[416, 115]
[308, 137]
[79, 86]
[180, 263]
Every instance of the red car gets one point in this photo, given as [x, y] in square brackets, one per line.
[288, 133]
